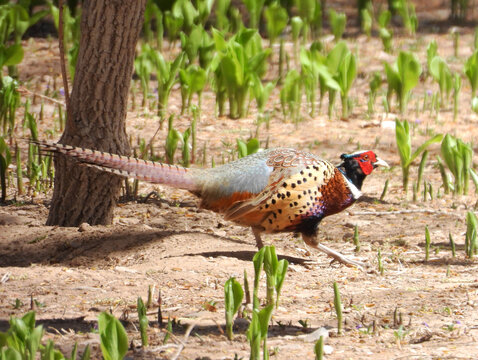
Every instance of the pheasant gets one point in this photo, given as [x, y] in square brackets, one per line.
[275, 190]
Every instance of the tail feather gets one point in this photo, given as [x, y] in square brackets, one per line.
[154, 172]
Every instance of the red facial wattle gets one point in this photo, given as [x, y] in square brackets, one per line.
[366, 161]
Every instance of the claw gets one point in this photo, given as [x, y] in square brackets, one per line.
[340, 258]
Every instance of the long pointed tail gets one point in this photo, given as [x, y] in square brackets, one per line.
[154, 172]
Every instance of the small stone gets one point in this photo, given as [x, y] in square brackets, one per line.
[314, 336]
[84, 227]
[328, 349]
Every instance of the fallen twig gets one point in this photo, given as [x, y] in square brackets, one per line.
[24, 91]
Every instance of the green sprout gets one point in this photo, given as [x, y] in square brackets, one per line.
[338, 22]
[456, 93]
[221, 9]
[9, 102]
[290, 96]
[193, 80]
[471, 72]
[427, 244]
[296, 25]
[406, 9]
[374, 84]
[143, 321]
[471, 239]
[356, 239]
[276, 20]
[384, 191]
[380, 262]
[257, 332]
[404, 145]
[442, 75]
[235, 65]
[458, 158]
[384, 32]
[338, 308]
[249, 148]
[233, 295]
[319, 349]
[254, 8]
[402, 77]
[366, 23]
[309, 11]
[452, 245]
[114, 341]
[5, 160]
[421, 168]
[167, 74]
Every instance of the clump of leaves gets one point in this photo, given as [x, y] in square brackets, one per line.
[406, 9]
[276, 20]
[23, 341]
[471, 238]
[254, 8]
[310, 12]
[374, 84]
[5, 160]
[471, 72]
[458, 158]
[275, 275]
[338, 22]
[235, 65]
[244, 149]
[402, 76]
[404, 145]
[193, 80]
[9, 102]
[441, 73]
[290, 96]
[385, 32]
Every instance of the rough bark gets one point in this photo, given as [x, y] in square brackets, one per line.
[98, 105]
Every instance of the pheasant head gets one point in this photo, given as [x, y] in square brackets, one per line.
[358, 165]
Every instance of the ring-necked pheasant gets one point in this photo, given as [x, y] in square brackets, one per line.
[275, 190]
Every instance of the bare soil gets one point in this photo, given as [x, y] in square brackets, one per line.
[70, 275]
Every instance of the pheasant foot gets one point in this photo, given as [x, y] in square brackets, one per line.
[340, 258]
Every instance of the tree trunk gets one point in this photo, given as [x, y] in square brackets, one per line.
[98, 105]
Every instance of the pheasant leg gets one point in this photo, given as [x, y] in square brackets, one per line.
[257, 236]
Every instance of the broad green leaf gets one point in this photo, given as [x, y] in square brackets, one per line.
[252, 146]
[11, 55]
[113, 338]
[435, 139]
[264, 317]
[241, 148]
[409, 70]
[384, 18]
[404, 142]
[277, 19]
[471, 71]
[233, 295]
[296, 26]
[10, 354]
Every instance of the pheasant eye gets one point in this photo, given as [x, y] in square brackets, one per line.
[365, 157]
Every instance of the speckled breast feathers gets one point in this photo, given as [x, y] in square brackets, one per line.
[300, 186]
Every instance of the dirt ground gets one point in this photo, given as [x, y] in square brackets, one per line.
[70, 275]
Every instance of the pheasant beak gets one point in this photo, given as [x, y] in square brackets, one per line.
[380, 162]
